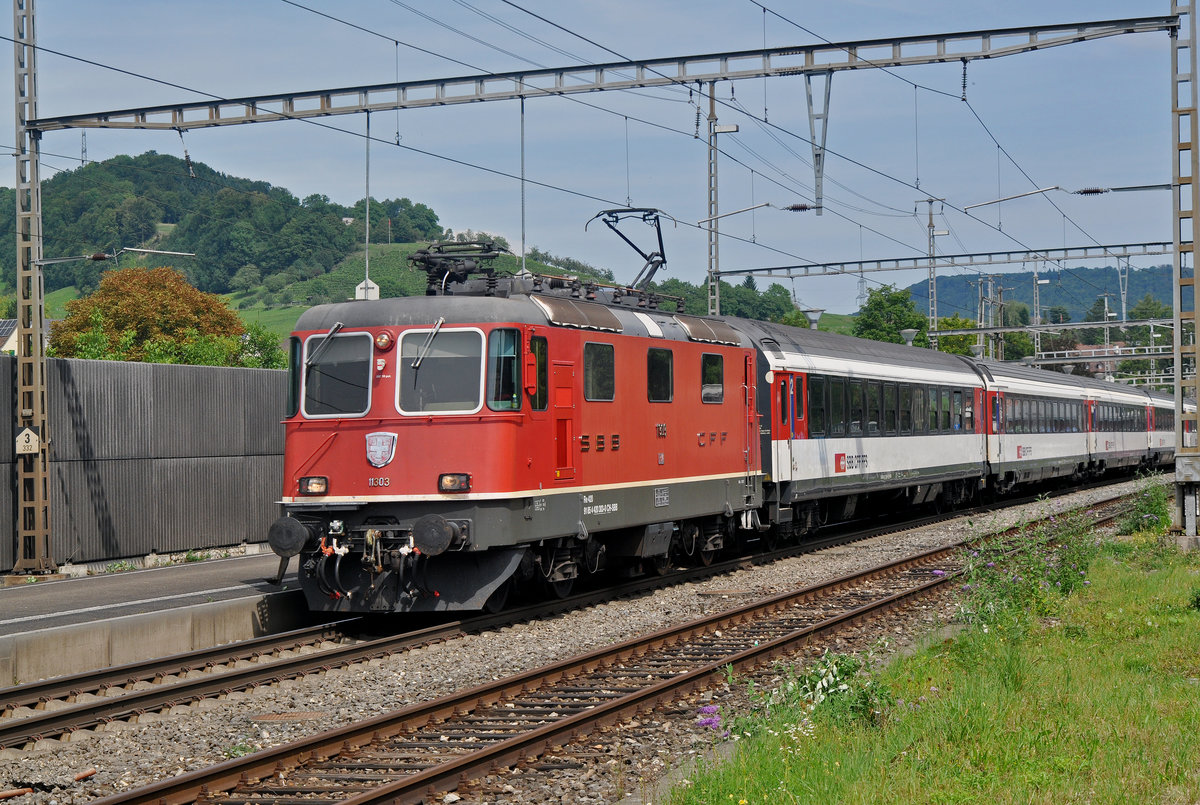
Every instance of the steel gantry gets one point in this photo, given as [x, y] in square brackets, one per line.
[1185, 131]
[690, 71]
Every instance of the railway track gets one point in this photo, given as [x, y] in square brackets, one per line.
[415, 754]
[412, 754]
[62, 707]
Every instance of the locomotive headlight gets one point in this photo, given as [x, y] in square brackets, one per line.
[384, 341]
[314, 485]
[454, 482]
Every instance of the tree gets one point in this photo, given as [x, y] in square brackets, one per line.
[1097, 312]
[956, 344]
[140, 314]
[1057, 315]
[886, 313]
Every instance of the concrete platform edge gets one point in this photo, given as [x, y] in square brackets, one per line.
[33, 655]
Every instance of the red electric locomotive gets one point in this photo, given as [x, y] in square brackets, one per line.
[507, 431]
[520, 432]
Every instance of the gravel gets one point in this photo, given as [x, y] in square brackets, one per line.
[627, 760]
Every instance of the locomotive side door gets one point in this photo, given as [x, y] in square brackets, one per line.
[750, 414]
[562, 396]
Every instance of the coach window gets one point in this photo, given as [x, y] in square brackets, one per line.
[874, 407]
[337, 375]
[504, 370]
[712, 378]
[856, 407]
[599, 372]
[816, 405]
[956, 419]
[837, 406]
[888, 428]
[906, 404]
[540, 398]
[920, 418]
[785, 405]
[944, 409]
[933, 409]
[660, 379]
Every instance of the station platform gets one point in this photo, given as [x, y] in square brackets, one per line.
[54, 628]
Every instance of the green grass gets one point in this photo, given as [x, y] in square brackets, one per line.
[1096, 701]
[842, 323]
[56, 301]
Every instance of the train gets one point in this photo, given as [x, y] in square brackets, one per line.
[516, 433]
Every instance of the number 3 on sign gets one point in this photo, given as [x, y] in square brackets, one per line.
[28, 442]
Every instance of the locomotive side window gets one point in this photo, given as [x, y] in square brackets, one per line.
[337, 375]
[541, 393]
[660, 378]
[504, 370]
[294, 355]
[440, 371]
[816, 405]
[599, 372]
[712, 378]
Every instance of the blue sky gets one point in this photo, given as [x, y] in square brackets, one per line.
[1089, 114]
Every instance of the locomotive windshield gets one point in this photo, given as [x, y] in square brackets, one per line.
[337, 375]
[448, 371]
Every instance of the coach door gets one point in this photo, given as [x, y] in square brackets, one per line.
[563, 404]
[788, 424]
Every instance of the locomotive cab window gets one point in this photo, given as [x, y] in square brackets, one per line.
[599, 373]
[294, 359]
[337, 375]
[441, 371]
[660, 378]
[504, 370]
[712, 378]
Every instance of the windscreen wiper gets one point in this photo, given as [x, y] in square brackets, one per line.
[316, 353]
[428, 342]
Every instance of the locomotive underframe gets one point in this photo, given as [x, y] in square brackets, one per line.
[428, 556]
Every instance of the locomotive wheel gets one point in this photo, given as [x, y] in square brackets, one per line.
[657, 565]
[498, 598]
[706, 557]
[560, 589]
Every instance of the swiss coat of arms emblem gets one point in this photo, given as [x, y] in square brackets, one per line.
[381, 448]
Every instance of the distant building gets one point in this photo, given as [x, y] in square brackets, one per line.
[8, 336]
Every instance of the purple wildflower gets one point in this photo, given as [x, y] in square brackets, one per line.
[712, 721]
[990, 564]
[708, 709]
[939, 572]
